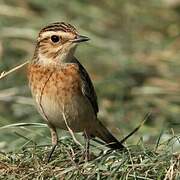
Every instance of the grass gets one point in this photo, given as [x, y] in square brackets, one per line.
[139, 162]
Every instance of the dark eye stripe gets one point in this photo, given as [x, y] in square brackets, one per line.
[44, 39]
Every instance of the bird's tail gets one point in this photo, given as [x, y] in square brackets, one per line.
[103, 133]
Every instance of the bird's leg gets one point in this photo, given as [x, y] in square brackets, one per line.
[54, 139]
[87, 145]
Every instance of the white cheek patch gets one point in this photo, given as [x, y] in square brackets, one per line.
[44, 60]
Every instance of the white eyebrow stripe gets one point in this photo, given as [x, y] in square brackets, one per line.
[59, 33]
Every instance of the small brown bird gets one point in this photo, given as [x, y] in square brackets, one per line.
[61, 87]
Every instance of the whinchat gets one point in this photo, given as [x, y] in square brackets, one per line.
[61, 87]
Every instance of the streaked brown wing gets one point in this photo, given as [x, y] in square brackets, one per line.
[87, 87]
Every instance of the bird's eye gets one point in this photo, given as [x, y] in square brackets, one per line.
[55, 38]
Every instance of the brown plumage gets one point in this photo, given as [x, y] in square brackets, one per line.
[61, 87]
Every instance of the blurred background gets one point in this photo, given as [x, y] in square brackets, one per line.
[133, 58]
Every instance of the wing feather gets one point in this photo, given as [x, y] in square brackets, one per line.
[87, 87]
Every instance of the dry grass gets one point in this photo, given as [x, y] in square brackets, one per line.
[6, 73]
[67, 163]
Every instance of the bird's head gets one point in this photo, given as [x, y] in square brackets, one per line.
[57, 43]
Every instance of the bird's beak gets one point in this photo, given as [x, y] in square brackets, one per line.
[80, 38]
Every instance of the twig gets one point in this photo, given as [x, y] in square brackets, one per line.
[137, 128]
[70, 130]
[4, 73]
